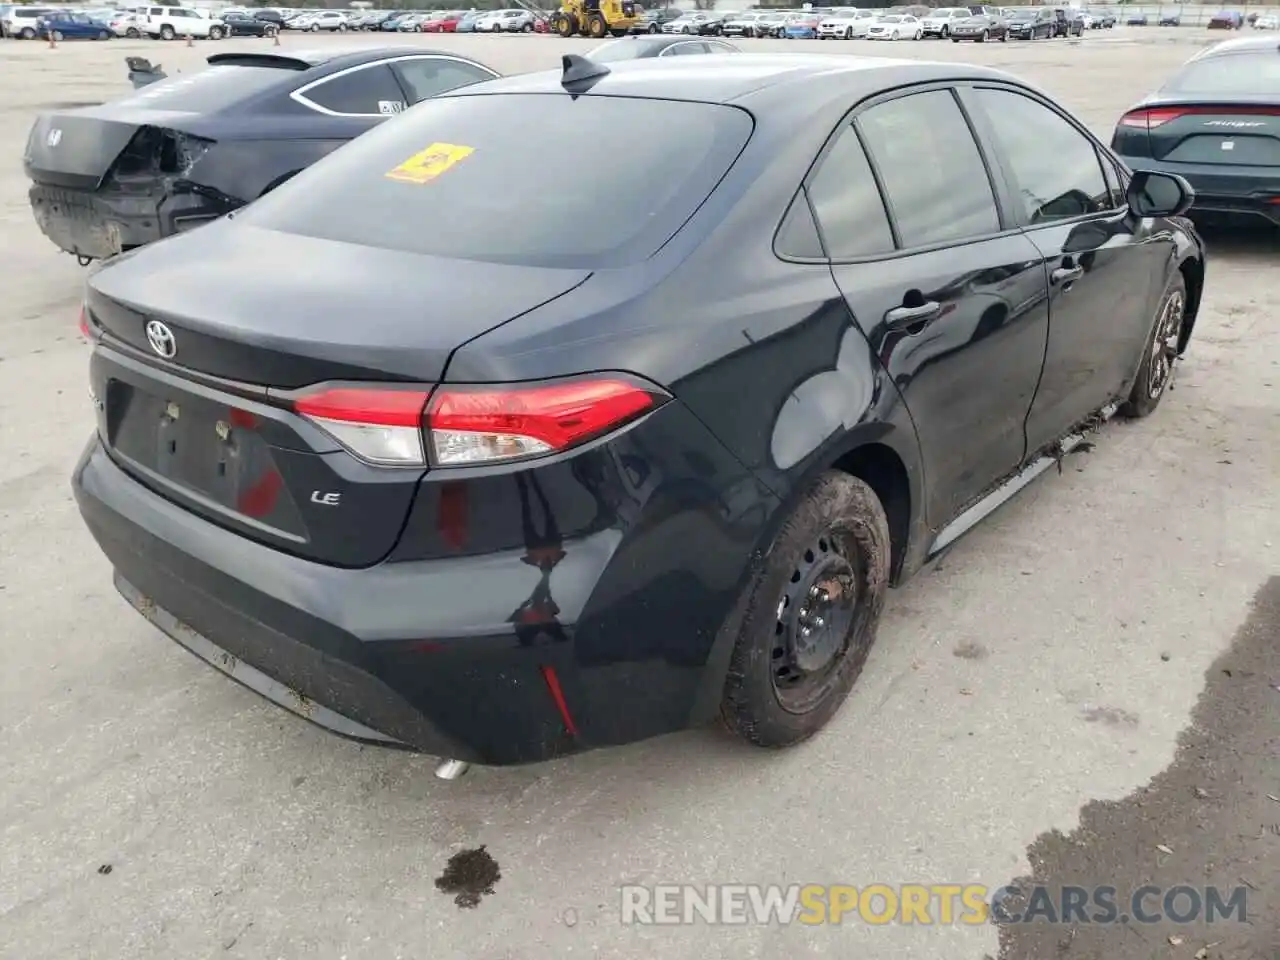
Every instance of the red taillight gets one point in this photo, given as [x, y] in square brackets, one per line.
[376, 424]
[482, 424]
[1151, 117]
[1148, 119]
[473, 425]
[85, 330]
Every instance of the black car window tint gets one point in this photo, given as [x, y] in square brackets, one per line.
[358, 92]
[933, 174]
[1231, 74]
[847, 203]
[434, 75]
[434, 181]
[1056, 166]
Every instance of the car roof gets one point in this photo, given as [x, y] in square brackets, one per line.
[336, 56]
[1241, 45]
[748, 76]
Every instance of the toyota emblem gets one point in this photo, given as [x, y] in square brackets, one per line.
[161, 339]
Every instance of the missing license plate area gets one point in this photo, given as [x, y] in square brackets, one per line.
[188, 442]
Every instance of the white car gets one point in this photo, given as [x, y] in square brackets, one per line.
[507, 21]
[127, 25]
[169, 23]
[688, 23]
[1268, 22]
[898, 26]
[938, 22]
[843, 26]
[332, 20]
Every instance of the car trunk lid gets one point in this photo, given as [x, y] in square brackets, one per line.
[200, 409]
[79, 148]
[1240, 134]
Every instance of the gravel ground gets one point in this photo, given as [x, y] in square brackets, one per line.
[1049, 663]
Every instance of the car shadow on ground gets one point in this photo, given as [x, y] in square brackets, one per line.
[1239, 239]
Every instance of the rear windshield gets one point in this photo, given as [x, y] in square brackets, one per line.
[206, 91]
[1237, 73]
[529, 179]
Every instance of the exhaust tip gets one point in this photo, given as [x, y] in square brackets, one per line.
[452, 769]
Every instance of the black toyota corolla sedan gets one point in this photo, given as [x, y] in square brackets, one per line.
[504, 480]
[1216, 122]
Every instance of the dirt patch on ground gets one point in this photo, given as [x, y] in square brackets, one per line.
[1211, 820]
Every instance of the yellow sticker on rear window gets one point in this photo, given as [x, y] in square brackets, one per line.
[428, 164]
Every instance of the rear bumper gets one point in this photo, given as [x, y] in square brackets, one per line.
[1223, 191]
[428, 654]
[92, 224]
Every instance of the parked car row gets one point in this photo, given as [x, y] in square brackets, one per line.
[977, 22]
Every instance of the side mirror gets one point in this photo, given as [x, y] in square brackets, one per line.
[1152, 194]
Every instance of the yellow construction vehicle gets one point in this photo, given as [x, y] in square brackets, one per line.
[595, 18]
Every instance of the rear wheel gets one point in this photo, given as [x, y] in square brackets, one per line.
[653, 28]
[57, 36]
[28, 33]
[565, 25]
[342, 28]
[103, 35]
[1156, 370]
[215, 33]
[982, 38]
[809, 617]
[527, 28]
[314, 28]
[132, 33]
[596, 27]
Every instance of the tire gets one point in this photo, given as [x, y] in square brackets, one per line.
[835, 540]
[103, 35]
[270, 32]
[1155, 372]
[167, 32]
[314, 28]
[983, 37]
[132, 33]
[1004, 37]
[215, 33]
[946, 33]
[954, 40]
[653, 28]
[27, 33]
[596, 27]
[527, 28]
[57, 36]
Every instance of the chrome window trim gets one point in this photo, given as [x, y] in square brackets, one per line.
[300, 96]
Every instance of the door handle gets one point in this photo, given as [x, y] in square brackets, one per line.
[913, 319]
[1066, 275]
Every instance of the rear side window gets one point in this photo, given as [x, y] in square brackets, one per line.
[936, 183]
[359, 92]
[207, 91]
[847, 202]
[451, 178]
[1237, 73]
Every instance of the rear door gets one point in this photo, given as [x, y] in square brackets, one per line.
[950, 297]
[1103, 277]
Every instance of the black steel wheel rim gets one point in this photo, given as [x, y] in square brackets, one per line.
[1164, 345]
[814, 621]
